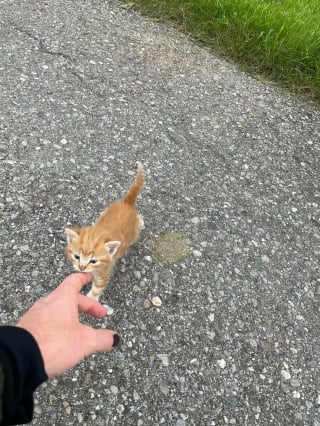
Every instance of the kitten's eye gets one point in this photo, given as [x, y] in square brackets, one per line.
[76, 256]
[93, 261]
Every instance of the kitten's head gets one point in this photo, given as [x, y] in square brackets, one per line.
[87, 252]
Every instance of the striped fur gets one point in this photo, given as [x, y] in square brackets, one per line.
[96, 248]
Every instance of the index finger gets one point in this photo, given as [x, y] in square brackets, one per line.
[76, 281]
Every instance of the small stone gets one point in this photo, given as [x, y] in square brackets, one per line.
[265, 259]
[147, 304]
[211, 317]
[285, 375]
[137, 274]
[164, 359]
[67, 407]
[309, 405]
[148, 258]
[253, 343]
[197, 253]
[318, 400]
[213, 226]
[221, 363]
[195, 220]
[284, 387]
[296, 395]
[120, 409]
[136, 288]
[114, 389]
[295, 383]
[156, 301]
[37, 409]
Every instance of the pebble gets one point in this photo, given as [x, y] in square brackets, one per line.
[137, 274]
[164, 359]
[156, 301]
[37, 409]
[284, 387]
[195, 220]
[309, 405]
[211, 317]
[148, 258]
[147, 304]
[221, 363]
[296, 394]
[114, 389]
[295, 383]
[67, 407]
[120, 409]
[285, 375]
[197, 253]
[253, 343]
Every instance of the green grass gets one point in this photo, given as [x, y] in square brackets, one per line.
[277, 39]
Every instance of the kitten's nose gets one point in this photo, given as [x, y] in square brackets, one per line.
[82, 267]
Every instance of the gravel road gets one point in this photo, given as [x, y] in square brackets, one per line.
[231, 211]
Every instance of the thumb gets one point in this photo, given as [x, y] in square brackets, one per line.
[103, 340]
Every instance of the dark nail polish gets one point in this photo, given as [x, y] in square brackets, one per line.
[116, 340]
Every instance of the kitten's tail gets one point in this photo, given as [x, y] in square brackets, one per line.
[135, 188]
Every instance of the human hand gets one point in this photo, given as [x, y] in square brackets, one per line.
[54, 323]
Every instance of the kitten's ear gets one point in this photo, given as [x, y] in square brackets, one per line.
[71, 234]
[112, 247]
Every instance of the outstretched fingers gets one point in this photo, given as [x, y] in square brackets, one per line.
[99, 340]
[91, 307]
[76, 281]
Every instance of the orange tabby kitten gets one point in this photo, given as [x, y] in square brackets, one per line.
[96, 248]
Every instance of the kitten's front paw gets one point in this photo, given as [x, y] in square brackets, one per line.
[109, 309]
[93, 296]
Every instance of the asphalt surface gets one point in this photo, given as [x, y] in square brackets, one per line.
[87, 89]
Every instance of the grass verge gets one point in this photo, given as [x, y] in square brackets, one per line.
[277, 39]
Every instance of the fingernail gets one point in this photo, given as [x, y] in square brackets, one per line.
[116, 340]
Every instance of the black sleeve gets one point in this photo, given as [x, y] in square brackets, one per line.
[21, 372]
